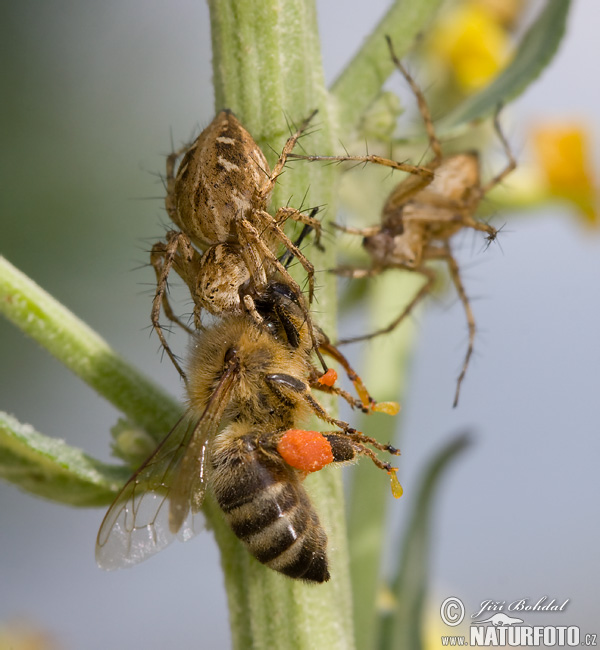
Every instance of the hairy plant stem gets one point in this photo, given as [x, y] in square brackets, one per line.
[385, 374]
[267, 69]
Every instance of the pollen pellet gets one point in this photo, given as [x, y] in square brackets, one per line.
[329, 378]
[390, 408]
[308, 451]
[397, 489]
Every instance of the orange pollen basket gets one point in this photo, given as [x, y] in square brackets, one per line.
[308, 451]
[329, 378]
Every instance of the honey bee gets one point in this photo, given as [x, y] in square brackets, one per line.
[421, 215]
[224, 248]
[273, 296]
[248, 385]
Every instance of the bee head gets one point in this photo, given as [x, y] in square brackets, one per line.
[281, 308]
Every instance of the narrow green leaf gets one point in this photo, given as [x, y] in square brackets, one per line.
[52, 469]
[360, 82]
[537, 48]
[402, 628]
[79, 348]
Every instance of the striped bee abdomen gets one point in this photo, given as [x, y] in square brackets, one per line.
[268, 508]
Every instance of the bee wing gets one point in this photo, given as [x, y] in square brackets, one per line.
[162, 500]
[137, 524]
[189, 486]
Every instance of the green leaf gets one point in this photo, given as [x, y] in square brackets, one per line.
[537, 48]
[54, 470]
[267, 69]
[79, 348]
[360, 83]
[402, 627]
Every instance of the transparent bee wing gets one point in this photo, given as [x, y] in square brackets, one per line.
[162, 500]
[137, 524]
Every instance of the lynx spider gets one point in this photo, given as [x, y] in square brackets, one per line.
[422, 214]
[217, 198]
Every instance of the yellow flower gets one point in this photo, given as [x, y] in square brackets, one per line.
[564, 158]
[474, 43]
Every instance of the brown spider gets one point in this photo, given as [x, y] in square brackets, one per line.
[422, 214]
[217, 198]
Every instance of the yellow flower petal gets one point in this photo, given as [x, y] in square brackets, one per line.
[563, 155]
[474, 43]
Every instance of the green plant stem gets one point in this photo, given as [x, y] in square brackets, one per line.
[81, 350]
[267, 69]
[372, 64]
[386, 360]
[52, 469]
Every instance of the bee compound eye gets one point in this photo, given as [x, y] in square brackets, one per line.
[284, 291]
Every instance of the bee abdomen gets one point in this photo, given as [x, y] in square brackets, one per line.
[270, 512]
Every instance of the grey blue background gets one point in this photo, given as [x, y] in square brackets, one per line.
[91, 92]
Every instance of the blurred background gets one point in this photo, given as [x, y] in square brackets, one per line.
[93, 92]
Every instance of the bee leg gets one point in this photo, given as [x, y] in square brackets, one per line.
[287, 384]
[368, 404]
[311, 451]
[295, 448]
[346, 449]
[334, 390]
